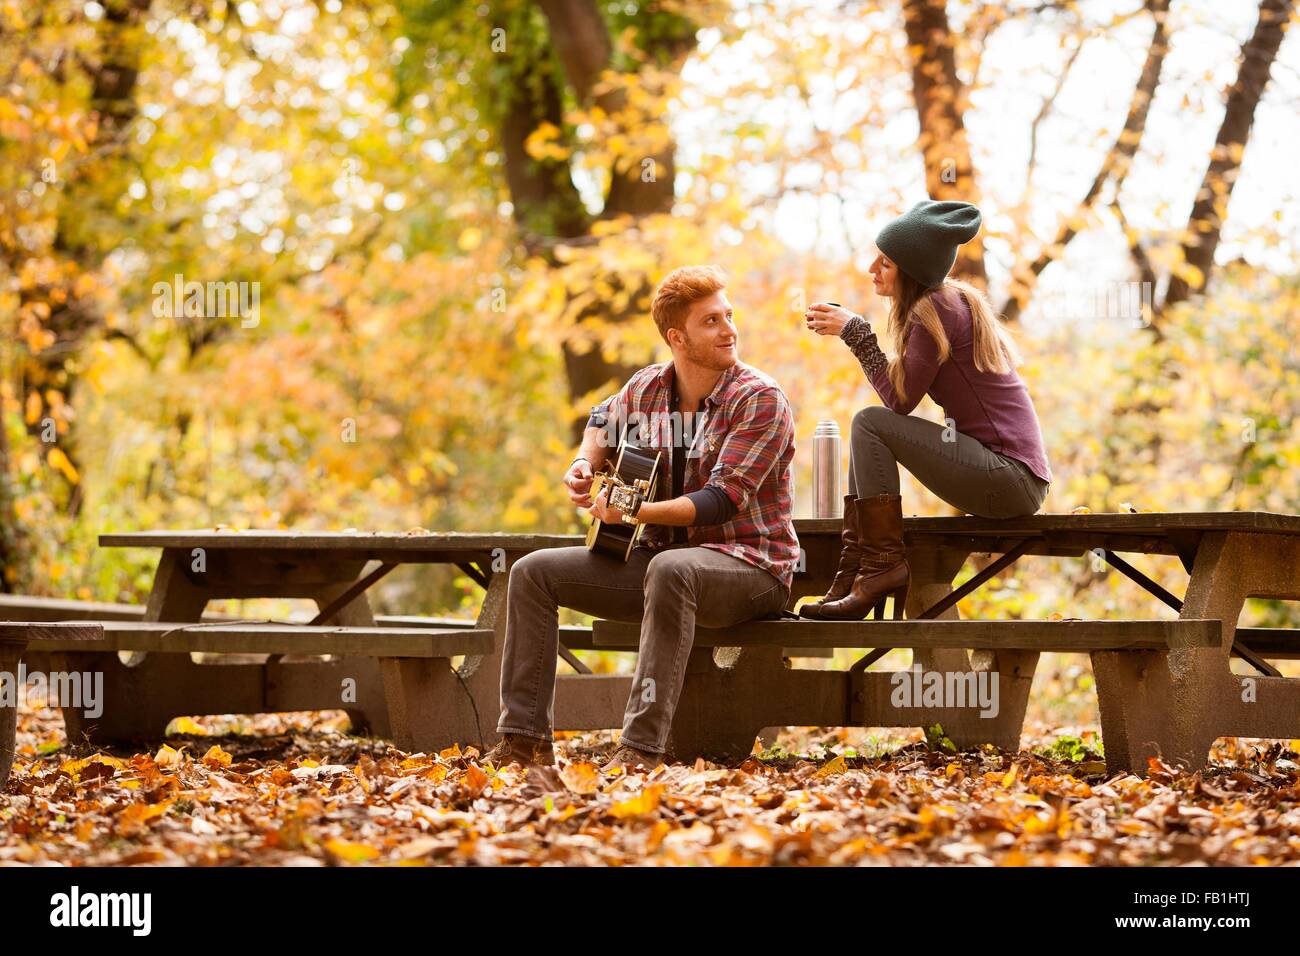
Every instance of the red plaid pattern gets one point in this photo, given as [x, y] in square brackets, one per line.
[741, 442]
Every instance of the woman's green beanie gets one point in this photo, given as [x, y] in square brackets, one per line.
[923, 241]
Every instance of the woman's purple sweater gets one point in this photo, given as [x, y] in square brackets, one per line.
[993, 408]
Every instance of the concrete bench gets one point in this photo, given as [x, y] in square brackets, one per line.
[413, 691]
[160, 680]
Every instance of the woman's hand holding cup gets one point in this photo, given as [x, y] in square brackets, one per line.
[826, 318]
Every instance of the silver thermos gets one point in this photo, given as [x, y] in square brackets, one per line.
[827, 499]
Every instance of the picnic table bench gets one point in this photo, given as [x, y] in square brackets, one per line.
[1164, 686]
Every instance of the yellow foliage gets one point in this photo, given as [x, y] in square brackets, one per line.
[60, 461]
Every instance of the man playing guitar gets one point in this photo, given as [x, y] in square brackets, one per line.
[719, 549]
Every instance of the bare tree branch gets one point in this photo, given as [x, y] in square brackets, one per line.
[1146, 270]
[1043, 112]
[1114, 168]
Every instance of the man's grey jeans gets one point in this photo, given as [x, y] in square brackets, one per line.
[960, 469]
[668, 591]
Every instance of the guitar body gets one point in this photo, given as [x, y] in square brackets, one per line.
[633, 464]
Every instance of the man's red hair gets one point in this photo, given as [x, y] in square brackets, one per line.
[681, 289]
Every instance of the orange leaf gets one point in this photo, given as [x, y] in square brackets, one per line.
[583, 777]
[216, 757]
[60, 461]
[836, 766]
[351, 852]
[167, 757]
[137, 815]
[475, 779]
[643, 803]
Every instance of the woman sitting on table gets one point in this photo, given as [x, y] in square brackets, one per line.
[986, 459]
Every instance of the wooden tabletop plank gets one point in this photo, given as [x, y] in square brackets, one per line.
[1144, 523]
[78, 631]
[344, 541]
[1153, 524]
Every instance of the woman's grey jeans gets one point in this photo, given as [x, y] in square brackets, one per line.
[958, 468]
[668, 591]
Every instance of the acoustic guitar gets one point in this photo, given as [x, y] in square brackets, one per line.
[633, 479]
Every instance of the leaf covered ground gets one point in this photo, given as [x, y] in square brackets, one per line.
[292, 790]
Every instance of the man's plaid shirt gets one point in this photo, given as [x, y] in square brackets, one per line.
[741, 442]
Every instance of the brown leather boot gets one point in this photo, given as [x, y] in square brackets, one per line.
[525, 751]
[850, 557]
[629, 758]
[883, 570]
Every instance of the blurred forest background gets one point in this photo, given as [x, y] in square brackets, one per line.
[455, 214]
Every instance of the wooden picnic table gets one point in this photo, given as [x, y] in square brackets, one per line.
[1170, 700]
[335, 570]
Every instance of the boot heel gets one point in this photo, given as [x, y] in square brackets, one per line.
[900, 599]
[878, 612]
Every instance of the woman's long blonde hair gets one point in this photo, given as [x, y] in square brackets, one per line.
[993, 346]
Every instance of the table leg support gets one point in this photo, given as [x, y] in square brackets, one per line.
[1135, 695]
[591, 701]
[1175, 704]
[933, 572]
[732, 694]
[368, 708]
[431, 707]
[11, 653]
[354, 685]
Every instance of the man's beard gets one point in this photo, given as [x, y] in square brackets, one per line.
[708, 356]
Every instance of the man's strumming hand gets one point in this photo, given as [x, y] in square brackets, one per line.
[577, 482]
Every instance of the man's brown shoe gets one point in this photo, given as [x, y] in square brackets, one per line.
[629, 758]
[525, 751]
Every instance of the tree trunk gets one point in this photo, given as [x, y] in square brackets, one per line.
[941, 101]
[1205, 226]
[113, 76]
[546, 203]
[13, 573]
[639, 187]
